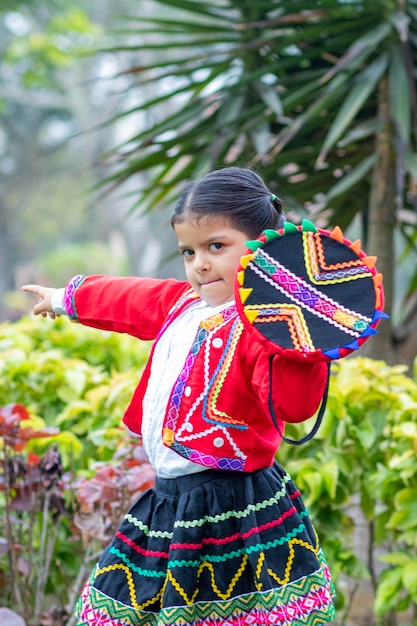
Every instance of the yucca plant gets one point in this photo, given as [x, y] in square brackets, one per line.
[318, 96]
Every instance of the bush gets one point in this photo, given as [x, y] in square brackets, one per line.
[62, 502]
[69, 385]
[364, 455]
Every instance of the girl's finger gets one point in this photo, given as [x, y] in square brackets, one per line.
[36, 289]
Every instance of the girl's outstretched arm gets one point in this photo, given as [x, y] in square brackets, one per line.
[44, 305]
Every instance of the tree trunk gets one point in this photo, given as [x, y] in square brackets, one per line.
[381, 226]
[6, 270]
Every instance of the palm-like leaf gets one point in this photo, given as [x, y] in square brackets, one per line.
[232, 103]
[259, 74]
[293, 87]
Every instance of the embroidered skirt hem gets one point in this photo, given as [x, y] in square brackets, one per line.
[215, 548]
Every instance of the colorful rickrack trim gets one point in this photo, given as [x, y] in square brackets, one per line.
[307, 296]
[180, 384]
[294, 318]
[210, 412]
[320, 272]
[307, 601]
[177, 438]
[209, 460]
[69, 301]
[206, 327]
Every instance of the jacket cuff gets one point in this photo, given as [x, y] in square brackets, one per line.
[69, 293]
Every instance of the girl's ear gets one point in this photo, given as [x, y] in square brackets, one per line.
[281, 221]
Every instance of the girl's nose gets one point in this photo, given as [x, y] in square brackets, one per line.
[201, 261]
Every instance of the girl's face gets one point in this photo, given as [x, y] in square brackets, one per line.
[211, 248]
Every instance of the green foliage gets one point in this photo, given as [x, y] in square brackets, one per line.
[272, 84]
[359, 469]
[364, 454]
[319, 97]
[76, 378]
[61, 502]
[40, 51]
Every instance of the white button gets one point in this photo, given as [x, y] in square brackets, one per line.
[217, 342]
[187, 391]
[189, 427]
[218, 442]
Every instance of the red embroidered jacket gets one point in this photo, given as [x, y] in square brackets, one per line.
[218, 413]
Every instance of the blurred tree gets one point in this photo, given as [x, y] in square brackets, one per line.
[319, 96]
[36, 121]
[53, 91]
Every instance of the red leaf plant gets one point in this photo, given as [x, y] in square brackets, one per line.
[106, 496]
[25, 478]
[11, 431]
[35, 493]
[33, 498]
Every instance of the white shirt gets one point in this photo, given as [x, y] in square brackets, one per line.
[169, 357]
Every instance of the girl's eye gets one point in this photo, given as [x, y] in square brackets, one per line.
[216, 246]
[187, 253]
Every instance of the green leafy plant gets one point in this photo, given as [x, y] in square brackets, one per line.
[318, 96]
[361, 465]
[76, 378]
[358, 473]
[61, 502]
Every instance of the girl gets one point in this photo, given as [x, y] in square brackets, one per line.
[223, 538]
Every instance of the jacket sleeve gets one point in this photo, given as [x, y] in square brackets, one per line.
[132, 305]
[296, 387]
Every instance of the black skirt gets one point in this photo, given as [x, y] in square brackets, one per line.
[217, 548]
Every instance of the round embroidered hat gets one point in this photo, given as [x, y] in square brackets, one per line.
[309, 291]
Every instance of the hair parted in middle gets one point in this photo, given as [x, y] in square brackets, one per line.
[237, 193]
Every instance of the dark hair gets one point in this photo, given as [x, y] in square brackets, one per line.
[237, 193]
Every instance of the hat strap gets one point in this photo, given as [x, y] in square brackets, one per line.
[319, 418]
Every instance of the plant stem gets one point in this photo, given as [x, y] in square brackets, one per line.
[371, 547]
[12, 556]
[75, 591]
[352, 595]
[40, 584]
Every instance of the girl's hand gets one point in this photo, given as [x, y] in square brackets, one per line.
[44, 306]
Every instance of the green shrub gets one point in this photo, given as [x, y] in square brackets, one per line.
[74, 377]
[363, 458]
[365, 454]
[60, 503]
